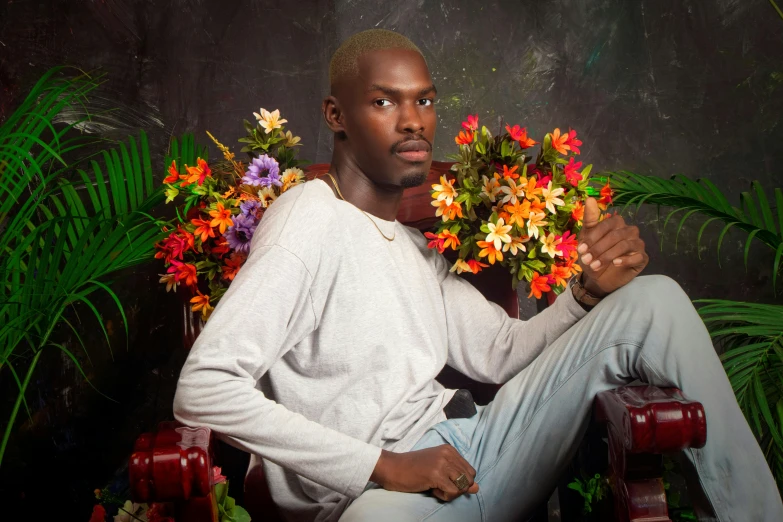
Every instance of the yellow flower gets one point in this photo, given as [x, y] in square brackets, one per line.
[291, 177]
[291, 140]
[201, 302]
[171, 193]
[498, 233]
[266, 195]
[513, 192]
[170, 281]
[460, 266]
[536, 220]
[516, 245]
[269, 120]
[549, 245]
[491, 188]
[550, 197]
[445, 191]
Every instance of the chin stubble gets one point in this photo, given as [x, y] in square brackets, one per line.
[413, 180]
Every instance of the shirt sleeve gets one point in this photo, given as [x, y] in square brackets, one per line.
[266, 311]
[484, 342]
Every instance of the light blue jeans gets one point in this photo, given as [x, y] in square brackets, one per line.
[521, 442]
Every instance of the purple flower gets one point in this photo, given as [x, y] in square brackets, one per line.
[260, 167]
[241, 232]
[250, 207]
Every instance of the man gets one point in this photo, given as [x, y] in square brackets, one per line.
[322, 355]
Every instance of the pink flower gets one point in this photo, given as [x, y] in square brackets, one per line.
[471, 124]
[217, 477]
[567, 244]
[543, 182]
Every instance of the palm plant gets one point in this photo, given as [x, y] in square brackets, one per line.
[72, 213]
[750, 334]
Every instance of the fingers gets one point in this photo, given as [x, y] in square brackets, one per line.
[614, 244]
[455, 466]
[588, 237]
[592, 213]
[636, 261]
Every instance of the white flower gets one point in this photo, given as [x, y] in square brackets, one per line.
[498, 233]
[269, 120]
[550, 196]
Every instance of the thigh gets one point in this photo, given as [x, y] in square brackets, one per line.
[379, 505]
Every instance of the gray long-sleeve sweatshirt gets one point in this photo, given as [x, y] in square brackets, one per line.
[325, 348]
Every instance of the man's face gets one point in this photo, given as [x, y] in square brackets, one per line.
[389, 117]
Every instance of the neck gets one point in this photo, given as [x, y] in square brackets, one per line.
[382, 201]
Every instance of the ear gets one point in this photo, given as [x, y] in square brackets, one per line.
[333, 114]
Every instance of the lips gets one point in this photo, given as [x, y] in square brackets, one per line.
[414, 150]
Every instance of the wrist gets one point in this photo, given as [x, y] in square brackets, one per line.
[379, 472]
[583, 294]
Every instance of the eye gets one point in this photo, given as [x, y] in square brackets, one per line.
[426, 102]
[381, 102]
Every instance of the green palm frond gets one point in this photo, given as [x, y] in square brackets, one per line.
[753, 362]
[71, 218]
[762, 220]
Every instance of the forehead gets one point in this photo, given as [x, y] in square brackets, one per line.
[400, 69]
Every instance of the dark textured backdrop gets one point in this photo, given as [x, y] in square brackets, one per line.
[653, 86]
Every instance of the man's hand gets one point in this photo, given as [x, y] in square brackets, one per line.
[432, 468]
[610, 252]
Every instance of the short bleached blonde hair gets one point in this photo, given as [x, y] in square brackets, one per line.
[345, 60]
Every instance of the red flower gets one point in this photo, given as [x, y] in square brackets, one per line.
[606, 197]
[232, 266]
[571, 173]
[173, 173]
[435, 241]
[475, 266]
[572, 142]
[543, 182]
[183, 271]
[217, 476]
[471, 124]
[221, 247]
[98, 514]
[520, 135]
[464, 138]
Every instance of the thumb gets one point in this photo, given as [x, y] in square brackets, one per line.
[592, 213]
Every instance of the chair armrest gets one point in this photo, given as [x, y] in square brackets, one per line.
[174, 465]
[648, 419]
[642, 423]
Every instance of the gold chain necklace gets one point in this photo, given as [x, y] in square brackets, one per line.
[336, 186]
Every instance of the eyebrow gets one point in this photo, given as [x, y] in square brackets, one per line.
[396, 92]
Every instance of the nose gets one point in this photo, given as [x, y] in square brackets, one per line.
[410, 119]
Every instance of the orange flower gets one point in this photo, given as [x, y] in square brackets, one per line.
[572, 266]
[221, 247]
[232, 266]
[530, 187]
[222, 218]
[204, 228]
[538, 285]
[510, 173]
[449, 240]
[464, 138]
[447, 211]
[606, 196]
[489, 251]
[578, 213]
[173, 173]
[196, 174]
[561, 275]
[201, 302]
[560, 142]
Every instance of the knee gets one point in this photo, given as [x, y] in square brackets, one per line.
[658, 297]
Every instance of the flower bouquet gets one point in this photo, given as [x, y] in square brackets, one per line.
[502, 207]
[220, 207]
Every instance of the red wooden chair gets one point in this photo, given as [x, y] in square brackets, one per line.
[642, 423]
